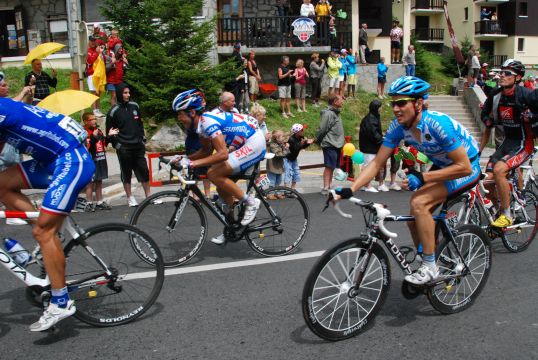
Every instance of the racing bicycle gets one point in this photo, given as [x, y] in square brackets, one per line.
[530, 181]
[177, 220]
[348, 285]
[106, 275]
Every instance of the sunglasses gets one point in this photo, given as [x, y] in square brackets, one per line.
[507, 73]
[401, 102]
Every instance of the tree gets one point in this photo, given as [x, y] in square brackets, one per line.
[450, 67]
[167, 51]
[423, 68]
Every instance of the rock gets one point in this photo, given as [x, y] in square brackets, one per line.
[167, 138]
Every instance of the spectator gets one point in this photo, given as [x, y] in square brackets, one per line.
[41, 80]
[98, 33]
[241, 89]
[485, 14]
[236, 55]
[370, 140]
[330, 136]
[300, 75]
[323, 11]
[317, 67]
[396, 34]
[297, 142]
[129, 141]
[96, 144]
[409, 61]
[115, 63]
[259, 113]
[307, 9]
[351, 61]
[226, 103]
[342, 73]
[113, 39]
[254, 77]
[475, 67]
[469, 63]
[275, 166]
[493, 16]
[95, 49]
[283, 9]
[334, 66]
[529, 82]
[363, 42]
[381, 78]
[284, 86]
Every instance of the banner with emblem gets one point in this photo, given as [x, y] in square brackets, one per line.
[303, 28]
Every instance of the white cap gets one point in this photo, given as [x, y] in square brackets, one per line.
[296, 128]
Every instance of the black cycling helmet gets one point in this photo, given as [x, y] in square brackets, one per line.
[514, 65]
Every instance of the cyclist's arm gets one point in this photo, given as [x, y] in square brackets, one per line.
[220, 154]
[486, 134]
[460, 167]
[373, 168]
[204, 151]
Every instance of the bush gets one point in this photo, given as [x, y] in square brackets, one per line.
[423, 68]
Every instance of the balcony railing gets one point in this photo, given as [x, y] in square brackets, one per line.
[485, 27]
[498, 60]
[428, 34]
[271, 31]
[427, 5]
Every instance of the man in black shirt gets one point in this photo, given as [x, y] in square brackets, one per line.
[41, 80]
[129, 142]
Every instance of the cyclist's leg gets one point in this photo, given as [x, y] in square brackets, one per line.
[12, 180]
[227, 188]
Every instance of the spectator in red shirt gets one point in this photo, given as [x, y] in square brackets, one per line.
[95, 49]
[116, 60]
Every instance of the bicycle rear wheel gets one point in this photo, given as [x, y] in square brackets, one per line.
[460, 212]
[282, 235]
[330, 309]
[457, 294]
[518, 238]
[181, 242]
[109, 281]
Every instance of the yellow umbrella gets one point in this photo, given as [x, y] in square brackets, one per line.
[68, 102]
[42, 50]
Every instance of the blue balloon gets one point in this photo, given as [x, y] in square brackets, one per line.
[357, 157]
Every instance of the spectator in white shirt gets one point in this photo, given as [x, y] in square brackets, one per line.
[307, 9]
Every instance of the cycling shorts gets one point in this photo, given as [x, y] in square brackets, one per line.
[512, 152]
[252, 152]
[456, 187]
[63, 178]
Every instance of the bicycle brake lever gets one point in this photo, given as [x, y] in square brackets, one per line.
[328, 202]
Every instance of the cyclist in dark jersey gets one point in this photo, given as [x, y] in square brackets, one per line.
[61, 164]
[509, 107]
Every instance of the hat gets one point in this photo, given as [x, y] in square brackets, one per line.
[2, 76]
[343, 51]
[485, 65]
[237, 45]
[99, 42]
[296, 128]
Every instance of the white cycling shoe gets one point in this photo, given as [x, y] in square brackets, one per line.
[424, 274]
[219, 240]
[250, 211]
[52, 315]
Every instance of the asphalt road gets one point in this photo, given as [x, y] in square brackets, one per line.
[253, 311]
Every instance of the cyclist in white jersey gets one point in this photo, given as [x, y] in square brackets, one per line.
[450, 147]
[218, 131]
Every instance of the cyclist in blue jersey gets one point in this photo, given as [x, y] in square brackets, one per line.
[219, 131]
[61, 164]
[446, 142]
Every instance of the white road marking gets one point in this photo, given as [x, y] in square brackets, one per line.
[227, 265]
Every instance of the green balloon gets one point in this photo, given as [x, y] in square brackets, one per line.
[357, 157]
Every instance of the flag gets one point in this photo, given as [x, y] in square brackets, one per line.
[99, 76]
[455, 46]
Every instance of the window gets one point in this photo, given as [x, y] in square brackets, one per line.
[466, 14]
[523, 9]
[521, 44]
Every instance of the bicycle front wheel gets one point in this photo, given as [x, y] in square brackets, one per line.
[518, 237]
[459, 293]
[279, 235]
[333, 308]
[109, 281]
[179, 232]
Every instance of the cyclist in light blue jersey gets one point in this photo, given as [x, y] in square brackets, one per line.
[446, 142]
[220, 132]
[61, 164]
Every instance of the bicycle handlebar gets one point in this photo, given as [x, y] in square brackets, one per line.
[171, 165]
[381, 212]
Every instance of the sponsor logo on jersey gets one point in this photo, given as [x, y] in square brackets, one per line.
[506, 113]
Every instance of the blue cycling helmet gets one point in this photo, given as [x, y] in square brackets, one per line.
[410, 86]
[190, 99]
[2, 76]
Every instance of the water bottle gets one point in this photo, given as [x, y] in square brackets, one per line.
[219, 203]
[17, 252]
[488, 203]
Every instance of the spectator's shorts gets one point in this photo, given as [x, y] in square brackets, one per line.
[334, 82]
[300, 91]
[133, 159]
[63, 178]
[91, 87]
[513, 152]
[253, 87]
[251, 153]
[331, 157]
[395, 44]
[352, 79]
[284, 92]
[381, 80]
[475, 73]
[101, 171]
[341, 79]
[110, 87]
[456, 187]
